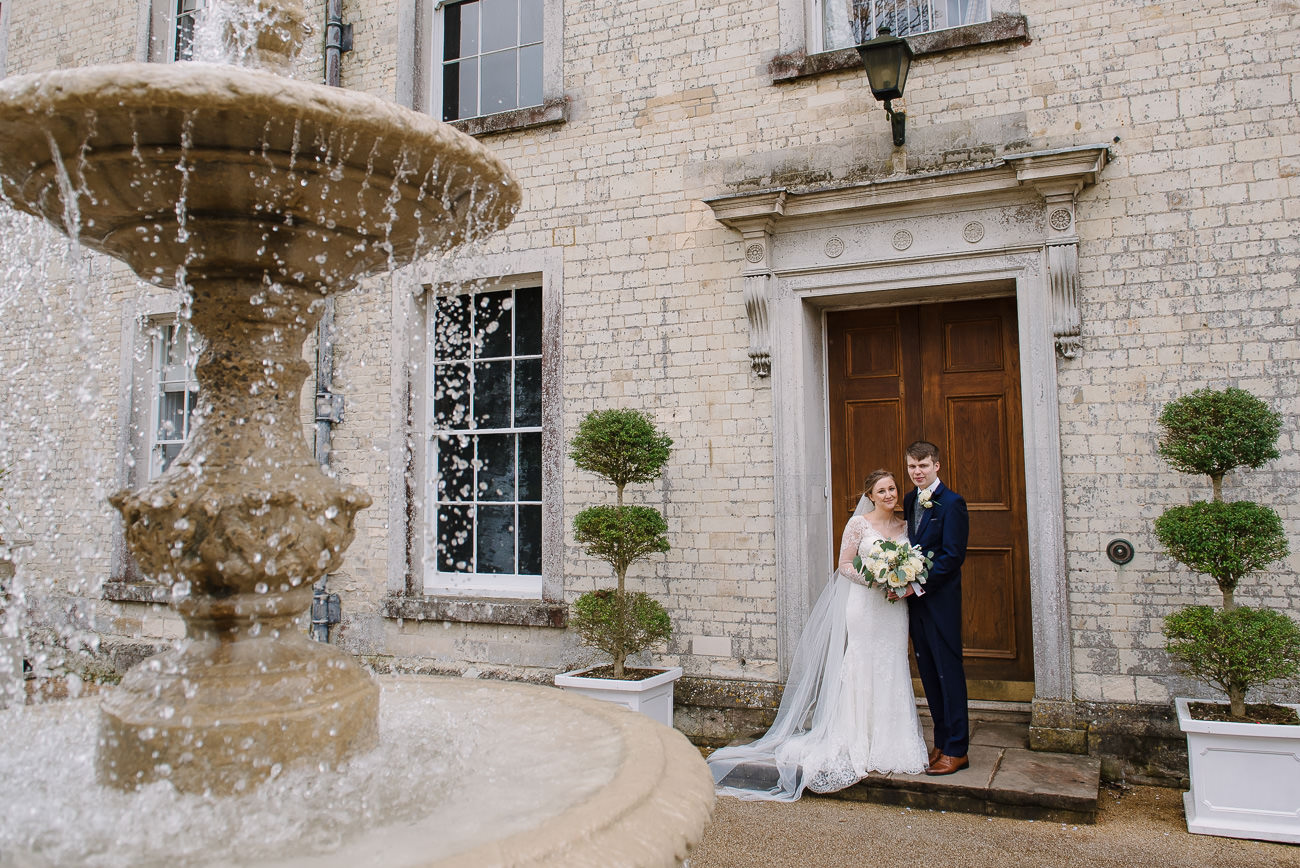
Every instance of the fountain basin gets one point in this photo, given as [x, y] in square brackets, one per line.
[527, 776]
[228, 170]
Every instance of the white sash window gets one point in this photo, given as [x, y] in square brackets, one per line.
[175, 393]
[484, 454]
[490, 57]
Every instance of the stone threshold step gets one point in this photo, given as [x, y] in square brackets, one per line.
[1000, 782]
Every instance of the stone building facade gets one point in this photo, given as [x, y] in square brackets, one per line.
[1099, 200]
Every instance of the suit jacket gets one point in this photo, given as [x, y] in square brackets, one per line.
[943, 529]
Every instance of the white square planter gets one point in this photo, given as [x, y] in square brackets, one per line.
[651, 696]
[1245, 778]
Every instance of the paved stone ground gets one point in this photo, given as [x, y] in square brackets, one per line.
[1136, 827]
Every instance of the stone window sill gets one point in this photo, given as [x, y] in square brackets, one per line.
[137, 592]
[1003, 29]
[478, 610]
[553, 111]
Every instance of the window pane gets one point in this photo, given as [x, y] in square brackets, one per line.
[451, 328]
[467, 34]
[530, 21]
[528, 321]
[530, 466]
[910, 16]
[468, 88]
[496, 539]
[455, 541]
[455, 468]
[492, 325]
[171, 416]
[496, 461]
[451, 27]
[530, 540]
[184, 37]
[492, 394]
[500, 25]
[528, 393]
[530, 75]
[500, 91]
[451, 396]
[169, 453]
[191, 401]
[451, 92]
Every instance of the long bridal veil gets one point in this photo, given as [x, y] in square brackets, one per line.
[808, 731]
[769, 768]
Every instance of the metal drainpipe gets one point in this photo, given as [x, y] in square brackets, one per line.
[325, 607]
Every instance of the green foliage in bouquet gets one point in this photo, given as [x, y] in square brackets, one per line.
[1213, 433]
[623, 447]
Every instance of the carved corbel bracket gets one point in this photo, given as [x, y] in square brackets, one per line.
[1059, 176]
[754, 217]
[1063, 272]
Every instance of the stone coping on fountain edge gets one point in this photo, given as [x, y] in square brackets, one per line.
[545, 778]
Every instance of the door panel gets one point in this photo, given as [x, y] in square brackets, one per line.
[947, 373]
[988, 601]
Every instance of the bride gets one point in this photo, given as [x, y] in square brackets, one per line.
[848, 707]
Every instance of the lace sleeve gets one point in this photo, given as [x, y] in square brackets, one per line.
[854, 531]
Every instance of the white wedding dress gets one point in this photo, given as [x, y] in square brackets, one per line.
[848, 707]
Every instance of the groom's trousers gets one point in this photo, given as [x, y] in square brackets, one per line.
[935, 628]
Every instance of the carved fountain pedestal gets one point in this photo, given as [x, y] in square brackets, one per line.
[260, 195]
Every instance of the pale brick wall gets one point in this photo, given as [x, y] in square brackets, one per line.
[1188, 262]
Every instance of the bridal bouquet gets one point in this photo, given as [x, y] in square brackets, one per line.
[892, 565]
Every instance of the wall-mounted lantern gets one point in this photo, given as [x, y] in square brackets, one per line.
[887, 59]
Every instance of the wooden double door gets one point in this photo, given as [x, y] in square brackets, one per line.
[948, 373]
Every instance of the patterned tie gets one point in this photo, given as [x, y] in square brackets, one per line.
[916, 512]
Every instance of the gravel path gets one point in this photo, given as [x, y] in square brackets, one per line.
[1137, 826]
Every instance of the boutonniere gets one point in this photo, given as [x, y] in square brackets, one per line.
[924, 498]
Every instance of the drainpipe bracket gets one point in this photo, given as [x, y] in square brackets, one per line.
[329, 407]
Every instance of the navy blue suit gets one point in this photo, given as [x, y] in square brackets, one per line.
[934, 618]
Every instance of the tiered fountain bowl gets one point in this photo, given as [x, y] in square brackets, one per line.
[259, 195]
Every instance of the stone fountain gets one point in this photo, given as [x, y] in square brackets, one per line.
[261, 195]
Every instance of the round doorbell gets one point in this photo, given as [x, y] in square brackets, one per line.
[1120, 551]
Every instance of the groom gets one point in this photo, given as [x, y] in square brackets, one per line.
[938, 523]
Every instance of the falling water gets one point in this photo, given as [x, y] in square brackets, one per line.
[67, 332]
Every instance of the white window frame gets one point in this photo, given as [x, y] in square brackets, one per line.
[420, 58]
[163, 345]
[516, 585]
[438, 66]
[138, 407]
[412, 568]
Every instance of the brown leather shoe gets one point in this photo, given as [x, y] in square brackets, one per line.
[946, 765]
[935, 753]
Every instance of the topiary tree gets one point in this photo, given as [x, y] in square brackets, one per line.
[1215, 432]
[623, 447]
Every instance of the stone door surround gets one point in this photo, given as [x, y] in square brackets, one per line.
[1004, 229]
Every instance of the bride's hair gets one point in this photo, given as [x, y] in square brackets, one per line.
[872, 478]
